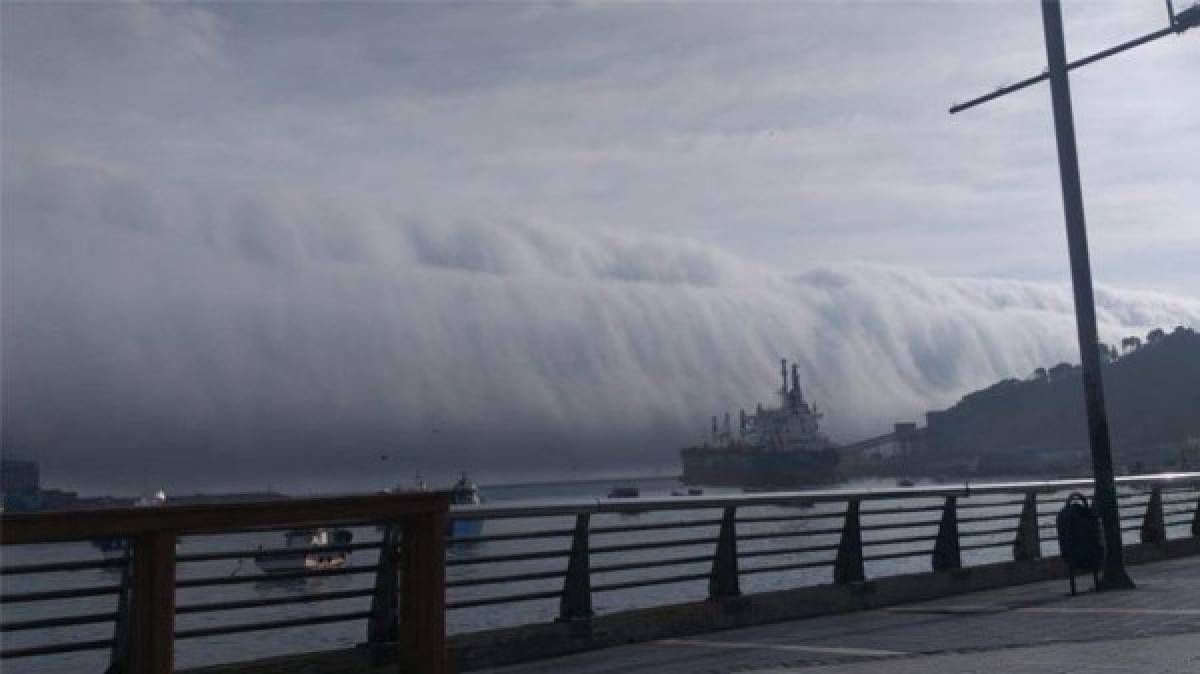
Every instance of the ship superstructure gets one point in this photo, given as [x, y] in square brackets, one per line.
[774, 446]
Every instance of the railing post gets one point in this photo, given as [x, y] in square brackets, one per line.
[423, 586]
[723, 580]
[1028, 543]
[118, 661]
[152, 618]
[1154, 527]
[575, 606]
[946, 553]
[848, 567]
[1196, 519]
[383, 625]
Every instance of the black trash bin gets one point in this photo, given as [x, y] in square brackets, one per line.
[1080, 541]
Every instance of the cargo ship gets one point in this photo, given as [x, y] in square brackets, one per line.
[773, 447]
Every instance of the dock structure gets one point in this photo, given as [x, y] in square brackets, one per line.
[722, 578]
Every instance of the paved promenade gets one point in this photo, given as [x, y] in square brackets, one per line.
[1030, 628]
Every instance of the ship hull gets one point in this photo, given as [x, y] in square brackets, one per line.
[741, 467]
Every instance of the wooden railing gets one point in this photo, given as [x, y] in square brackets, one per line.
[407, 601]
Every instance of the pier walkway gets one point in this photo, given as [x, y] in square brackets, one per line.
[1037, 627]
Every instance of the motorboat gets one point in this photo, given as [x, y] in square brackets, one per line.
[315, 549]
[632, 493]
[464, 492]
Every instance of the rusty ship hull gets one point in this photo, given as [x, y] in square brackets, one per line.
[758, 468]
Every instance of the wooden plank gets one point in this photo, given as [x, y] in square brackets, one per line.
[47, 527]
[152, 605]
[423, 599]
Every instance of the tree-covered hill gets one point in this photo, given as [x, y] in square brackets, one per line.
[1153, 401]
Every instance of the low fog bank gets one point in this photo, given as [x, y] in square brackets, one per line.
[233, 341]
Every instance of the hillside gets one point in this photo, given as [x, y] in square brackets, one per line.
[1153, 402]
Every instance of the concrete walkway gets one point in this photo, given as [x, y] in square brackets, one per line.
[1030, 628]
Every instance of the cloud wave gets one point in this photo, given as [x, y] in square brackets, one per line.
[209, 340]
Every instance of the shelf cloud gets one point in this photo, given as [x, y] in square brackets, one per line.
[252, 243]
[185, 337]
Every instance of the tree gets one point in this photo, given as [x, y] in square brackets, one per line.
[1061, 370]
[1155, 335]
[1131, 344]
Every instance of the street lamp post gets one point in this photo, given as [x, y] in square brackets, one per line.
[1114, 575]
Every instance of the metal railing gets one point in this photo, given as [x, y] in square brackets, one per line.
[838, 532]
[563, 555]
[409, 565]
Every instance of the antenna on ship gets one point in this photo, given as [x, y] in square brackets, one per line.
[784, 391]
[797, 396]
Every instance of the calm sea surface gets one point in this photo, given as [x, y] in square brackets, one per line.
[211, 650]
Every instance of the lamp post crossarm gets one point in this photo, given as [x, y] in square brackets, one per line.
[1188, 18]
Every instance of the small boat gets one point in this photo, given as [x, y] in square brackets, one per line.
[626, 493]
[308, 550]
[904, 482]
[157, 498]
[464, 492]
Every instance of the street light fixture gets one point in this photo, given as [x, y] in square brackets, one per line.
[1176, 23]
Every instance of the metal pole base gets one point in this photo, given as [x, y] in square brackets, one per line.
[1115, 579]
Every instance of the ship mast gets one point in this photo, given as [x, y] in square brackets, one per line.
[783, 392]
[797, 396]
